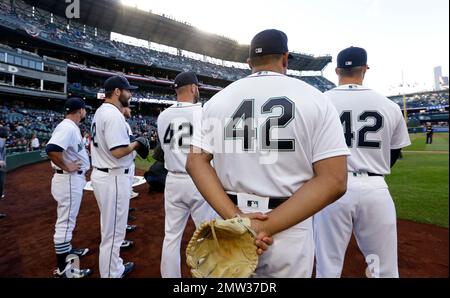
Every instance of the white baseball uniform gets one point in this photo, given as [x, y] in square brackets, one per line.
[67, 188]
[265, 132]
[111, 188]
[175, 128]
[373, 125]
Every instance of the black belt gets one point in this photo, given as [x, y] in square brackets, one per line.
[373, 174]
[273, 202]
[62, 172]
[368, 174]
[126, 171]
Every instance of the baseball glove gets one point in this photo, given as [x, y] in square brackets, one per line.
[223, 249]
[144, 147]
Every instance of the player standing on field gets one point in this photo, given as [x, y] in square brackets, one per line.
[181, 197]
[112, 158]
[70, 162]
[375, 132]
[278, 149]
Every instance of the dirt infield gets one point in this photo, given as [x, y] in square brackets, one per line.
[26, 244]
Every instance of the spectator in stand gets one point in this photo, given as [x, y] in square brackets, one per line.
[35, 145]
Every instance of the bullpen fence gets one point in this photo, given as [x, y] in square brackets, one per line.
[17, 160]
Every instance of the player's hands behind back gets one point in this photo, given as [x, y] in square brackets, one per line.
[263, 239]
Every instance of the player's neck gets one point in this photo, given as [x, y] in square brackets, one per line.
[74, 118]
[184, 99]
[350, 81]
[272, 68]
[115, 103]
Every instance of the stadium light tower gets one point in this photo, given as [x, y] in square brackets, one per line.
[405, 111]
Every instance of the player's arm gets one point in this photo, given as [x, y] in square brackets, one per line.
[118, 139]
[395, 155]
[55, 153]
[199, 167]
[400, 137]
[328, 185]
[122, 151]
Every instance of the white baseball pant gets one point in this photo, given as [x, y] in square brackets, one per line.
[67, 190]
[181, 200]
[366, 209]
[112, 191]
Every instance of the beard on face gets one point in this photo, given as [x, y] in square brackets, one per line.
[124, 100]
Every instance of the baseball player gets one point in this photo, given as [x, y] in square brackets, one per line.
[429, 134]
[127, 115]
[70, 161]
[375, 132]
[130, 228]
[175, 128]
[112, 159]
[279, 157]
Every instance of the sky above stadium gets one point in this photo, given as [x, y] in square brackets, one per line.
[401, 36]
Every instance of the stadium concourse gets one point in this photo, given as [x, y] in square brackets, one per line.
[46, 58]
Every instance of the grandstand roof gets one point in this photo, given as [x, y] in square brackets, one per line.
[111, 15]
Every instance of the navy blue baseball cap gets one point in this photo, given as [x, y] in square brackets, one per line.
[74, 104]
[269, 42]
[352, 57]
[185, 78]
[118, 82]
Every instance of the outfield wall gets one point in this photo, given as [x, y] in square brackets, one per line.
[422, 129]
[17, 160]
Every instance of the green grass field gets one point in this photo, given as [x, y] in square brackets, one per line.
[440, 142]
[419, 182]
[144, 164]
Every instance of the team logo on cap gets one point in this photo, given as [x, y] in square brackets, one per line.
[348, 63]
[258, 50]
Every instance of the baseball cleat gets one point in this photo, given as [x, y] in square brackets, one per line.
[3, 197]
[131, 228]
[2, 215]
[126, 244]
[128, 268]
[131, 209]
[70, 272]
[134, 194]
[81, 252]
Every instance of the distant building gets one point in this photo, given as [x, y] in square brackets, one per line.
[443, 82]
[437, 76]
